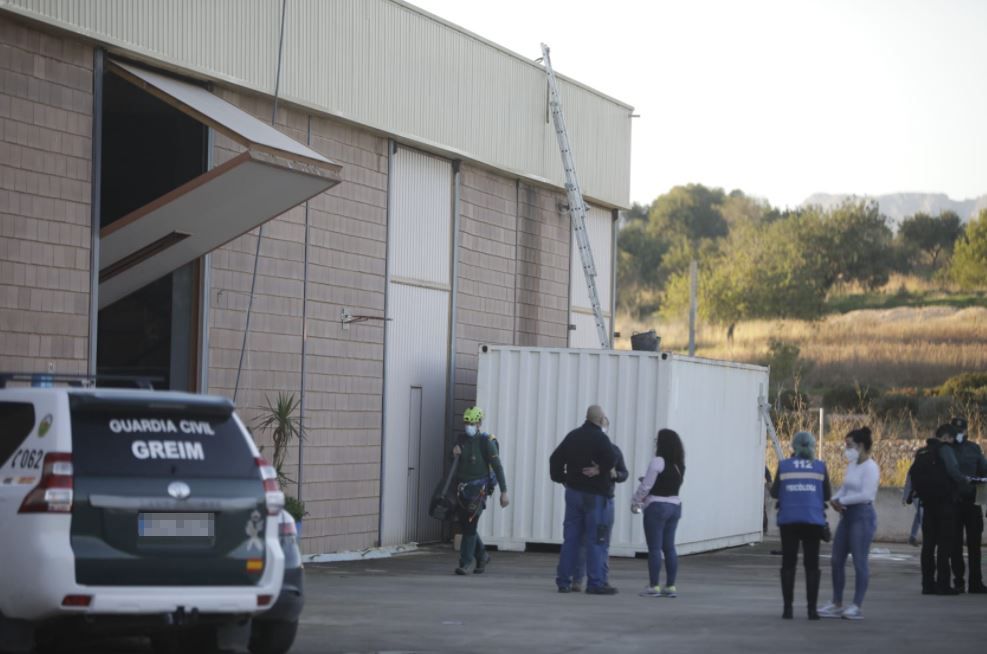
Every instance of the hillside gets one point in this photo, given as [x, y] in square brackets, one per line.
[897, 206]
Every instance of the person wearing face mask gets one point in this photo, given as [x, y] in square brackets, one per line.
[854, 501]
[588, 505]
[802, 489]
[479, 458]
[969, 519]
[936, 479]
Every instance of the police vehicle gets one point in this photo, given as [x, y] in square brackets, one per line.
[146, 512]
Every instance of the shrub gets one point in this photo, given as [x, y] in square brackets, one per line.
[967, 386]
[295, 507]
[896, 404]
[848, 397]
[790, 400]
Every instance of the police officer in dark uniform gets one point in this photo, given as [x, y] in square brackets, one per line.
[938, 484]
[802, 489]
[969, 519]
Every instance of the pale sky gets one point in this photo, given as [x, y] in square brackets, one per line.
[780, 99]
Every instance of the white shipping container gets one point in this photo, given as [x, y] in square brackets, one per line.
[533, 397]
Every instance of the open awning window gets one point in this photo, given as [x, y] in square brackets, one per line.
[272, 175]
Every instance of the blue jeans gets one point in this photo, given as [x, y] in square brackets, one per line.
[589, 519]
[853, 536]
[917, 521]
[580, 572]
[660, 522]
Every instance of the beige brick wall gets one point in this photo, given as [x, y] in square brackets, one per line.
[45, 189]
[514, 271]
[344, 368]
[543, 268]
[486, 299]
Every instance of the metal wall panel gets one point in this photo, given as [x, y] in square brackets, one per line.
[599, 227]
[417, 361]
[534, 396]
[422, 231]
[383, 64]
[417, 349]
[713, 406]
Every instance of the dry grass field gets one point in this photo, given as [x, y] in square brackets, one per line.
[905, 347]
[891, 348]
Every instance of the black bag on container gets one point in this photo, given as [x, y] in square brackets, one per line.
[443, 504]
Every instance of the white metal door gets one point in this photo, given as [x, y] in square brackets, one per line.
[417, 343]
[599, 227]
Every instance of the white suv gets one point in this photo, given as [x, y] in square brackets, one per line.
[133, 511]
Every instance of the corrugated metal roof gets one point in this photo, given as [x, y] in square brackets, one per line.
[383, 64]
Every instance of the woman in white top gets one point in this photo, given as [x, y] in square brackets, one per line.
[658, 494]
[858, 522]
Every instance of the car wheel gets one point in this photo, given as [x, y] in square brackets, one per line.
[272, 636]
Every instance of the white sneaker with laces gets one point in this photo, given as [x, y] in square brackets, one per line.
[852, 612]
[831, 611]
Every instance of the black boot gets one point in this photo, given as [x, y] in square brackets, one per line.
[787, 591]
[812, 591]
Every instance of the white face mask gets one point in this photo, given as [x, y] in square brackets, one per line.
[960, 437]
[852, 454]
[471, 430]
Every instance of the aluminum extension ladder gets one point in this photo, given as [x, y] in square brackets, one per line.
[577, 208]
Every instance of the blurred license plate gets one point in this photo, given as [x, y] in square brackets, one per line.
[175, 525]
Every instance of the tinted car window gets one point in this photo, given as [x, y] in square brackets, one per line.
[16, 424]
[158, 441]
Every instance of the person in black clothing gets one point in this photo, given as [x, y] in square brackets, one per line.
[588, 505]
[937, 481]
[618, 475]
[969, 519]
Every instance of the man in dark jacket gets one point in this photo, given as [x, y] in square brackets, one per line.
[969, 519]
[938, 491]
[618, 475]
[588, 505]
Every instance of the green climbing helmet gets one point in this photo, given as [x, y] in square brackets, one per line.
[473, 415]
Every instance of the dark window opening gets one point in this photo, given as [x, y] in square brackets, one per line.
[16, 424]
[148, 148]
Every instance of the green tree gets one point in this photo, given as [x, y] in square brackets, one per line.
[691, 211]
[849, 243]
[760, 272]
[930, 235]
[968, 267]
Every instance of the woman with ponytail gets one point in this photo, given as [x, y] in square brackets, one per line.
[858, 522]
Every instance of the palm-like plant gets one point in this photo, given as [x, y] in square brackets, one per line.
[279, 419]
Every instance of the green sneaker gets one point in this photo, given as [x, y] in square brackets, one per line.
[651, 591]
[669, 591]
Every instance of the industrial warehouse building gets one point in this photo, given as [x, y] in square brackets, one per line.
[410, 200]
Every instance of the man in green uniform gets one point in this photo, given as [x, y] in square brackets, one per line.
[479, 456]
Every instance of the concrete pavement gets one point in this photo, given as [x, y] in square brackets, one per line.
[729, 601]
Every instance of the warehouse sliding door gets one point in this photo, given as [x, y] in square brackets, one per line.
[582, 333]
[417, 342]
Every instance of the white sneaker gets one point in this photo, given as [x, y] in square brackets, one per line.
[852, 612]
[832, 611]
[651, 591]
